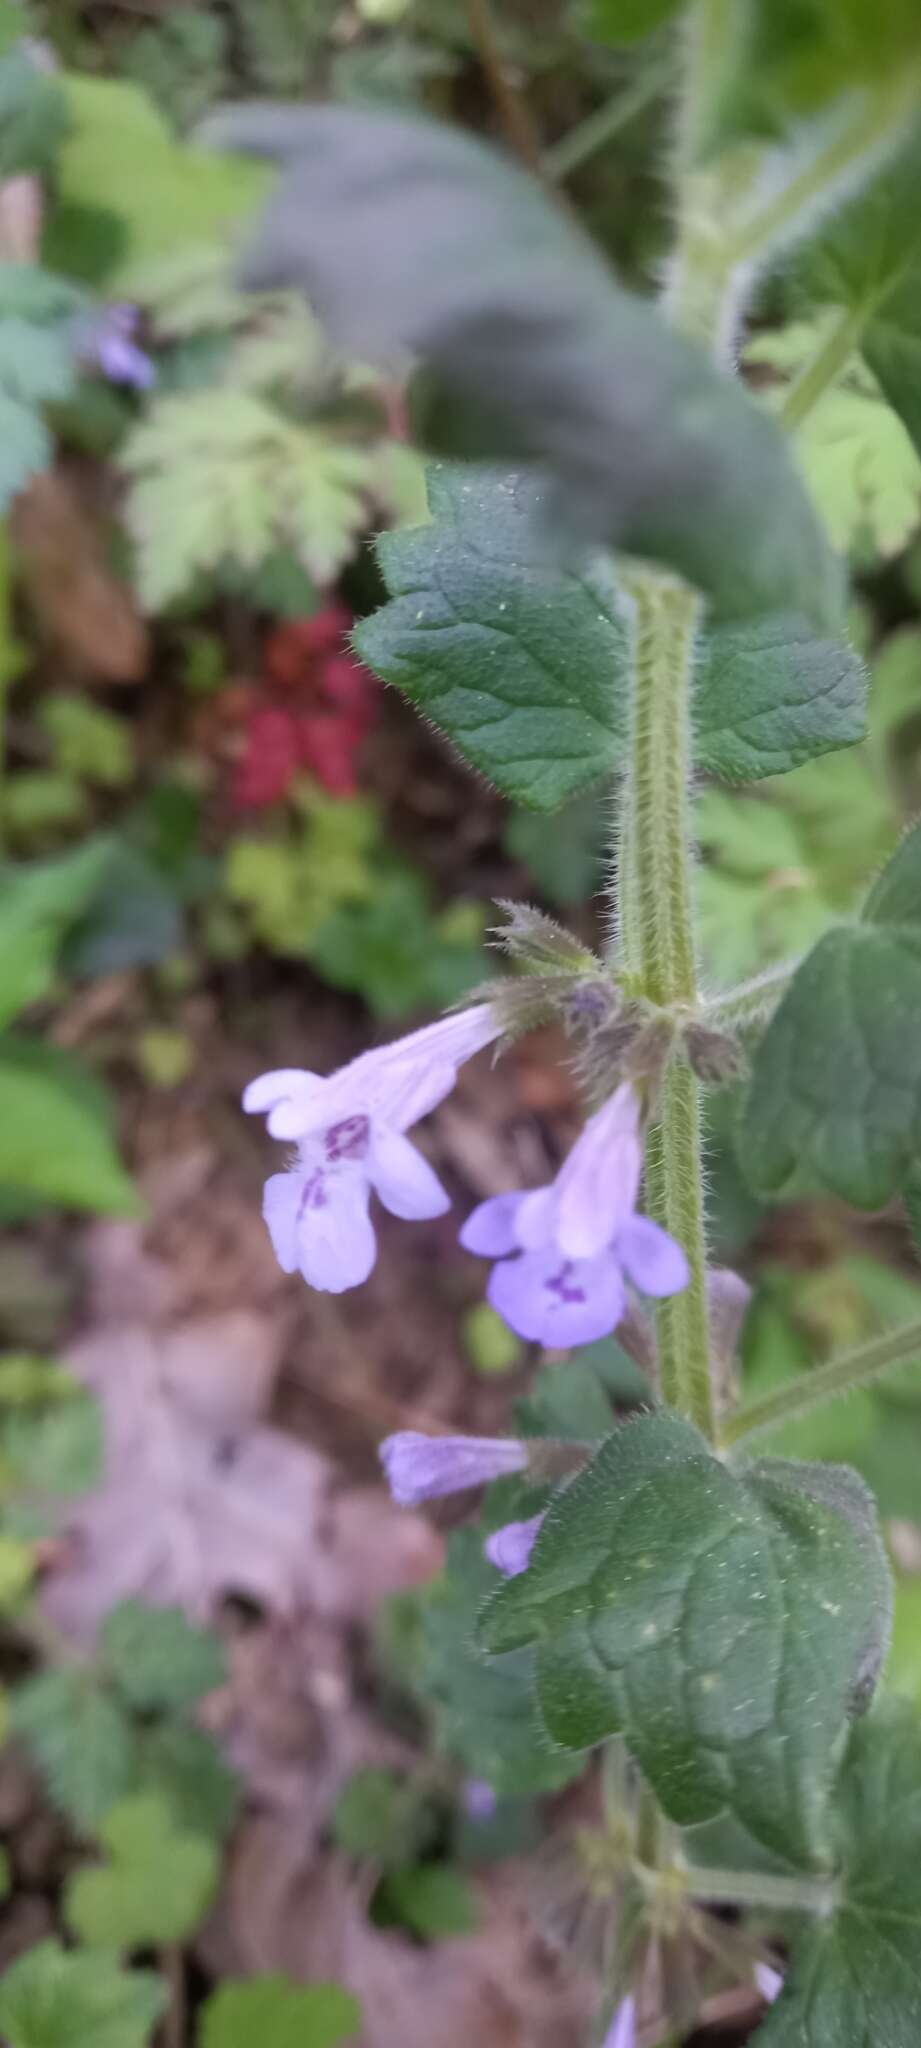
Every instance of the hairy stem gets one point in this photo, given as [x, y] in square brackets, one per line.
[752, 1002]
[761, 1888]
[825, 368]
[655, 948]
[855, 1369]
[599, 128]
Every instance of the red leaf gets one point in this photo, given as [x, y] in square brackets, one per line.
[269, 760]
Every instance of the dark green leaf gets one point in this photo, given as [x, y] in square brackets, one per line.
[184, 1765]
[80, 1739]
[55, 1131]
[36, 365]
[38, 903]
[410, 235]
[787, 58]
[381, 1815]
[768, 695]
[158, 1659]
[854, 1979]
[49, 1999]
[727, 1626]
[32, 113]
[277, 2014]
[135, 919]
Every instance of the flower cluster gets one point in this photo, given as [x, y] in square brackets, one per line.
[314, 708]
[106, 340]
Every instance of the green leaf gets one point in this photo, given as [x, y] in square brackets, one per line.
[154, 1888]
[37, 315]
[87, 740]
[158, 1659]
[183, 1765]
[55, 1134]
[382, 1815]
[80, 1739]
[434, 1901]
[768, 695]
[628, 21]
[854, 1976]
[411, 235]
[835, 1097]
[134, 919]
[791, 58]
[166, 193]
[223, 477]
[524, 665]
[727, 1625]
[484, 1711]
[278, 2014]
[33, 115]
[56, 1450]
[564, 855]
[38, 904]
[51, 1999]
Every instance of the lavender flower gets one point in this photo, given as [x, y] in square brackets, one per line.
[769, 1982]
[106, 339]
[479, 1799]
[622, 2030]
[510, 1547]
[579, 1239]
[349, 1135]
[422, 1468]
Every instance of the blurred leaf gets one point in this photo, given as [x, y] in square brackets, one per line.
[37, 313]
[37, 905]
[52, 1999]
[157, 1657]
[181, 62]
[88, 741]
[80, 1739]
[563, 853]
[627, 21]
[388, 223]
[768, 695]
[222, 476]
[381, 1815]
[393, 951]
[152, 1890]
[37, 802]
[489, 1343]
[134, 919]
[786, 59]
[566, 1401]
[167, 193]
[278, 2014]
[434, 1901]
[33, 115]
[165, 1056]
[55, 1131]
[902, 1673]
[17, 1569]
[183, 1765]
[53, 1450]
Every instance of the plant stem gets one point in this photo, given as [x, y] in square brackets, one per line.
[655, 947]
[855, 1369]
[879, 124]
[599, 128]
[520, 130]
[825, 368]
[761, 1888]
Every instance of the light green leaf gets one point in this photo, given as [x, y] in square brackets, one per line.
[166, 193]
[768, 695]
[409, 235]
[854, 1977]
[37, 314]
[54, 1450]
[863, 472]
[433, 1900]
[154, 1887]
[80, 1739]
[38, 904]
[158, 1659]
[55, 1131]
[87, 740]
[278, 2014]
[726, 1625]
[51, 1999]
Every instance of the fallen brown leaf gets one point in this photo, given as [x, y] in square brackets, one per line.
[78, 602]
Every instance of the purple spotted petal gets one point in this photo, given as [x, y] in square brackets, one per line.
[555, 1301]
[319, 1225]
[405, 1182]
[422, 1468]
[622, 2030]
[490, 1228]
[650, 1258]
[598, 1184]
[510, 1547]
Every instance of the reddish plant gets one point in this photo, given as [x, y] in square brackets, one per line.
[315, 708]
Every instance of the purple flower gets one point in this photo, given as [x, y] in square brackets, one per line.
[422, 1468]
[106, 339]
[622, 2030]
[479, 1799]
[510, 1547]
[769, 1982]
[349, 1135]
[565, 1251]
